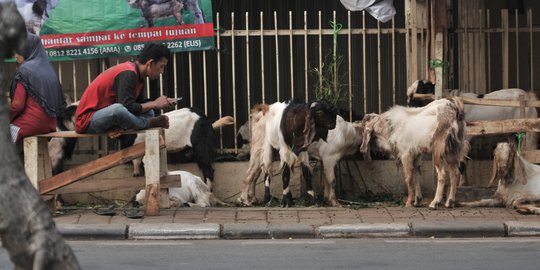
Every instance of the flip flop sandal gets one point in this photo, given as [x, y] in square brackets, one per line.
[134, 214]
[109, 211]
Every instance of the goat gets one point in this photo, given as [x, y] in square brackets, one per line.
[61, 149]
[475, 112]
[342, 140]
[194, 192]
[190, 128]
[518, 182]
[289, 128]
[153, 9]
[407, 133]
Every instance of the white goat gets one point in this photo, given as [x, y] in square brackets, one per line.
[341, 141]
[518, 182]
[407, 133]
[475, 112]
[189, 128]
[193, 192]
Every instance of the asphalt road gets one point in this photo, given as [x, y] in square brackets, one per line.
[414, 254]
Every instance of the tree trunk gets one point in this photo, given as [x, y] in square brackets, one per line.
[27, 230]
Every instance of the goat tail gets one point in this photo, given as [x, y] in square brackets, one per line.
[223, 121]
[532, 95]
[449, 144]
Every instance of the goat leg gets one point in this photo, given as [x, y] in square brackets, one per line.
[267, 195]
[441, 178]
[525, 208]
[494, 202]
[287, 195]
[306, 173]
[454, 177]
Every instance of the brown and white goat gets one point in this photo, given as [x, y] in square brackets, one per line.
[518, 182]
[407, 133]
[289, 128]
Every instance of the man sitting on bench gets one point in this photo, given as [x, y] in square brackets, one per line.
[115, 101]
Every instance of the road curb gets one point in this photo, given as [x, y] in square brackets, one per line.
[365, 230]
[458, 229]
[263, 231]
[523, 228]
[93, 231]
[174, 231]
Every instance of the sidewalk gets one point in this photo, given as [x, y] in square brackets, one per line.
[323, 222]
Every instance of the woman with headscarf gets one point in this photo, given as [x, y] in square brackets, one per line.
[36, 93]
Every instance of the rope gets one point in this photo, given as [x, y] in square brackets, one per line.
[519, 137]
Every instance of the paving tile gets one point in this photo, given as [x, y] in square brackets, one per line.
[436, 215]
[375, 215]
[92, 218]
[220, 216]
[250, 215]
[157, 219]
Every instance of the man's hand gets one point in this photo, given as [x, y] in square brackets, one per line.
[164, 103]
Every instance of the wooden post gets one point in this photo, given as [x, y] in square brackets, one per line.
[505, 48]
[152, 168]
[439, 46]
[37, 163]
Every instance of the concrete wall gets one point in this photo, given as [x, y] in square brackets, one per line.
[357, 180]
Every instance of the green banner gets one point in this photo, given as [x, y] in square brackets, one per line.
[74, 29]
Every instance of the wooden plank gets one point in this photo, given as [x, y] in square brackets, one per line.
[532, 156]
[153, 169]
[93, 167]
[73, 134]
[97, 184]
[486, 102]
[502, 126]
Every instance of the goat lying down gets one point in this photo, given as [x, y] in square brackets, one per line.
[518, 182]
[189, 128]
[289, 128]
[407, 133]
[194, 192]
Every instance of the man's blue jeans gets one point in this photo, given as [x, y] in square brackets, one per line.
[117, 116]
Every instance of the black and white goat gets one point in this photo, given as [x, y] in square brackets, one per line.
[289, 128]
[61, 149]
[518, 182]
[407, 133]
[343, 140]
[190, 128]
[194, 192]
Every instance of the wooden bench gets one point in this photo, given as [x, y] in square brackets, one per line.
[37, 165]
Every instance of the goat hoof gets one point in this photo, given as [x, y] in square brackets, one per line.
[287, 200]
[450, 204]
[434, 205]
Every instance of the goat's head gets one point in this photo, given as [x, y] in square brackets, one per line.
[507, 165]
[369, 121]
[257, 112]
[419, 87]
[321, 118]
[67, 120]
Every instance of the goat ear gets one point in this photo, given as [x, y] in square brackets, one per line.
[366, 140]
[309, 128]
[493, 173]
[519, 169]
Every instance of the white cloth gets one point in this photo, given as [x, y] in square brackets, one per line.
[14, 130]
[382, 10]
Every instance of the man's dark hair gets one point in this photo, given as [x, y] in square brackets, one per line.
[153, 51]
